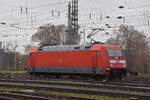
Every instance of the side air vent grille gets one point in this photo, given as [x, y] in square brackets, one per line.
[76, 47]
[40, 49]
[87, 47]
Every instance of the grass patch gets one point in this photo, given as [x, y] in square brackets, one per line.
[12, 72]
[97, 97]
[10, 89]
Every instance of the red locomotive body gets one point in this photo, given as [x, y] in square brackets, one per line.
[96, 60]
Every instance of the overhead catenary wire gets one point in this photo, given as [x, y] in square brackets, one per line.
[55, 19]
[79, 9]
[37, 7]
[91, 13]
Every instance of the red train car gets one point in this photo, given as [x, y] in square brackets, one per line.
[88, 60]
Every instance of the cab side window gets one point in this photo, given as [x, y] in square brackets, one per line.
[97, 53]
[30, 55]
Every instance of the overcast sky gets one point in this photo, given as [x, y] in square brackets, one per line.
[21, 25]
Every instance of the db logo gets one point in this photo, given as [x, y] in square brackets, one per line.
[60, 60]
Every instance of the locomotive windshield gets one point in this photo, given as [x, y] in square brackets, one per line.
[114, 53]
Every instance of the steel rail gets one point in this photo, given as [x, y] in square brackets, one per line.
[79, 91]
[86, 85]
[17, 95]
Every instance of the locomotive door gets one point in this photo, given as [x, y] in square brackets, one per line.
[94, 64]
[33, 63]
[105, 60]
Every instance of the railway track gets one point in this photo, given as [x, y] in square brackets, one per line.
[15, 95]
[126, 82]
[130, 80]
[112, 85]
[7, 95]
[79, 91]
[139, 79]
[77, 87]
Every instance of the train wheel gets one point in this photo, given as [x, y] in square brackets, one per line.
[31, 73]
[110, 78]
[119, 78]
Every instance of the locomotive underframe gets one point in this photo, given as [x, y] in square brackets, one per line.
[117, 74]
[84, 72]
[71, 70]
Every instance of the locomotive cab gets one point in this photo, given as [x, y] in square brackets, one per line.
[112, 59]
[117, 62]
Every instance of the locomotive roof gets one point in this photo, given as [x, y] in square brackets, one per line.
[64, 48]
[33, 50]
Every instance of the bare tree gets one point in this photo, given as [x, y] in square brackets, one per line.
[50, 35]
[133, 42]
[28, 48]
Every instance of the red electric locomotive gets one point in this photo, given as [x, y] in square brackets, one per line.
[95, 60]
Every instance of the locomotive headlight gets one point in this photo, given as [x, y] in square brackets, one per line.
[124, 65]
[111, 65]
[108, 69]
